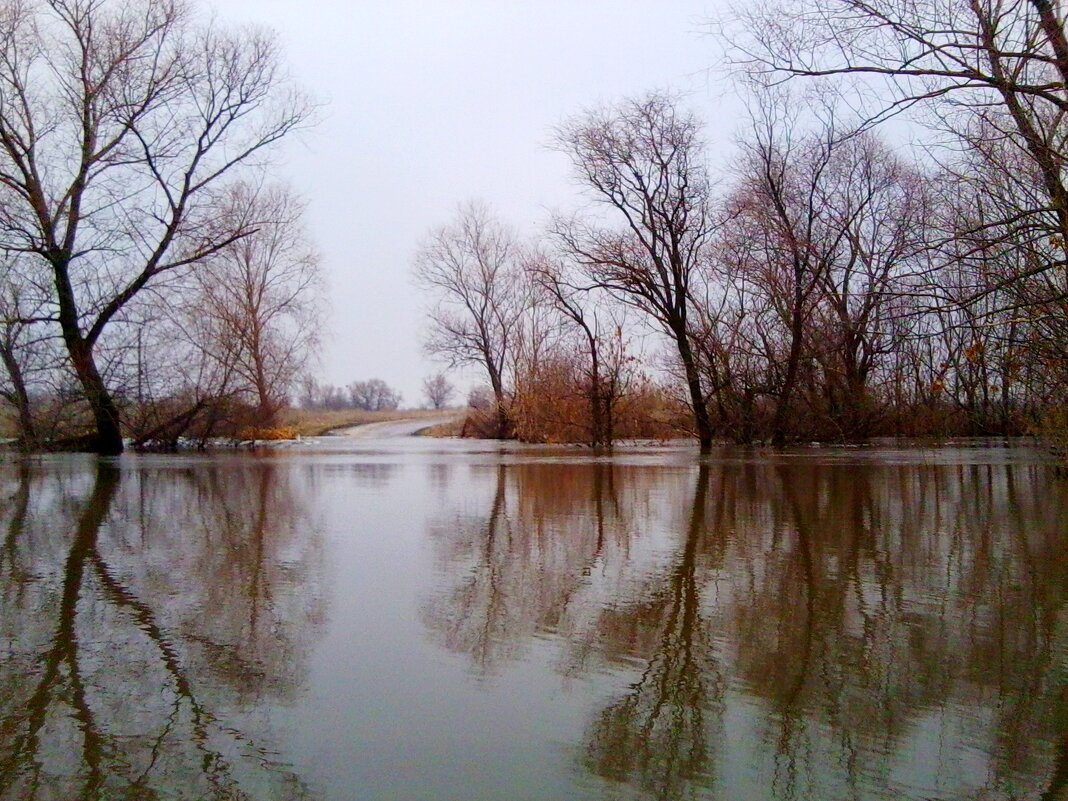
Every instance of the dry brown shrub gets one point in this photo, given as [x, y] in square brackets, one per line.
[480, 424]
[8, 423]
[267, 434]
[553, 406]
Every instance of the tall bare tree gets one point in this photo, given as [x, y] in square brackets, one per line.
[258, 298]
[120, 125]
[643, 160]
[473, 266]
[994, 72]
[832, 223]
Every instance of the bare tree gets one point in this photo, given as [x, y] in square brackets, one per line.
[642, 159]
[258, 298]
[438, 390]
[15, 351]
[120, 124]
[473, 265]
[790, 257]
[599, 331]
[993, 75]
[879, 202]
[373, 395]
[34, 378]
[994, 72]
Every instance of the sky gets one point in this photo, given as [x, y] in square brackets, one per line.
[430, 103]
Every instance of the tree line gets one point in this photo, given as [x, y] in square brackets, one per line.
[372, 395]
[826, 283]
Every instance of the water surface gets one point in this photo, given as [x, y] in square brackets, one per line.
[440, 620]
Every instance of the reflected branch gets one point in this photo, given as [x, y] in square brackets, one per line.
[65, 646]
[81, 683]
[656, 735]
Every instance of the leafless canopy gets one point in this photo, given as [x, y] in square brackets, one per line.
[473, 268]
[121, 124]
[643, 161]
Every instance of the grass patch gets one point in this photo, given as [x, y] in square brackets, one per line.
[450, 428]
[267, 434]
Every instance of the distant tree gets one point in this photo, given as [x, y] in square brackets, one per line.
[373, 395]
[480, 397]
[121, 122]
[438, 390]
[473, 267]
[309, 392]
[335, 398]
[313, 395]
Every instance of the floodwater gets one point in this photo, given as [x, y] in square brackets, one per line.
[413, 619]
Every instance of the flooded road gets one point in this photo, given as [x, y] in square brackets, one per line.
[392, 429]
[365, 618]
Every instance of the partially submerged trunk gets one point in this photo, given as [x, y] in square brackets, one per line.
[504, 423]
[108, 438]
[19, 396]
[702, 420]
[779, 432]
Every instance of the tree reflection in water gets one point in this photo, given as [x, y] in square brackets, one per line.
[151, 637]
[868, 630]
[519, 565]
[656, 736]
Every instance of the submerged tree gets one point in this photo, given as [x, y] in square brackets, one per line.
[473, 267]
[642, 159]
[592, 344]
[821, 245]
[993, 75]
[120, 126]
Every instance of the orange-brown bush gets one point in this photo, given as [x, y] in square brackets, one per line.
[554, 402]
[267, 434]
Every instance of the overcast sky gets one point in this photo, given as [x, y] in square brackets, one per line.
[428, 103]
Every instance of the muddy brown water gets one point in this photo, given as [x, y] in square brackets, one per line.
[420, 619]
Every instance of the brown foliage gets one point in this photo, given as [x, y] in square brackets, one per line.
[552, 406]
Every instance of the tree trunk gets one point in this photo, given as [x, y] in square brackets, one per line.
[793, 363]
[596, 397]
[108, 439]
[21, 398]
[697, 397]
[503, 423]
